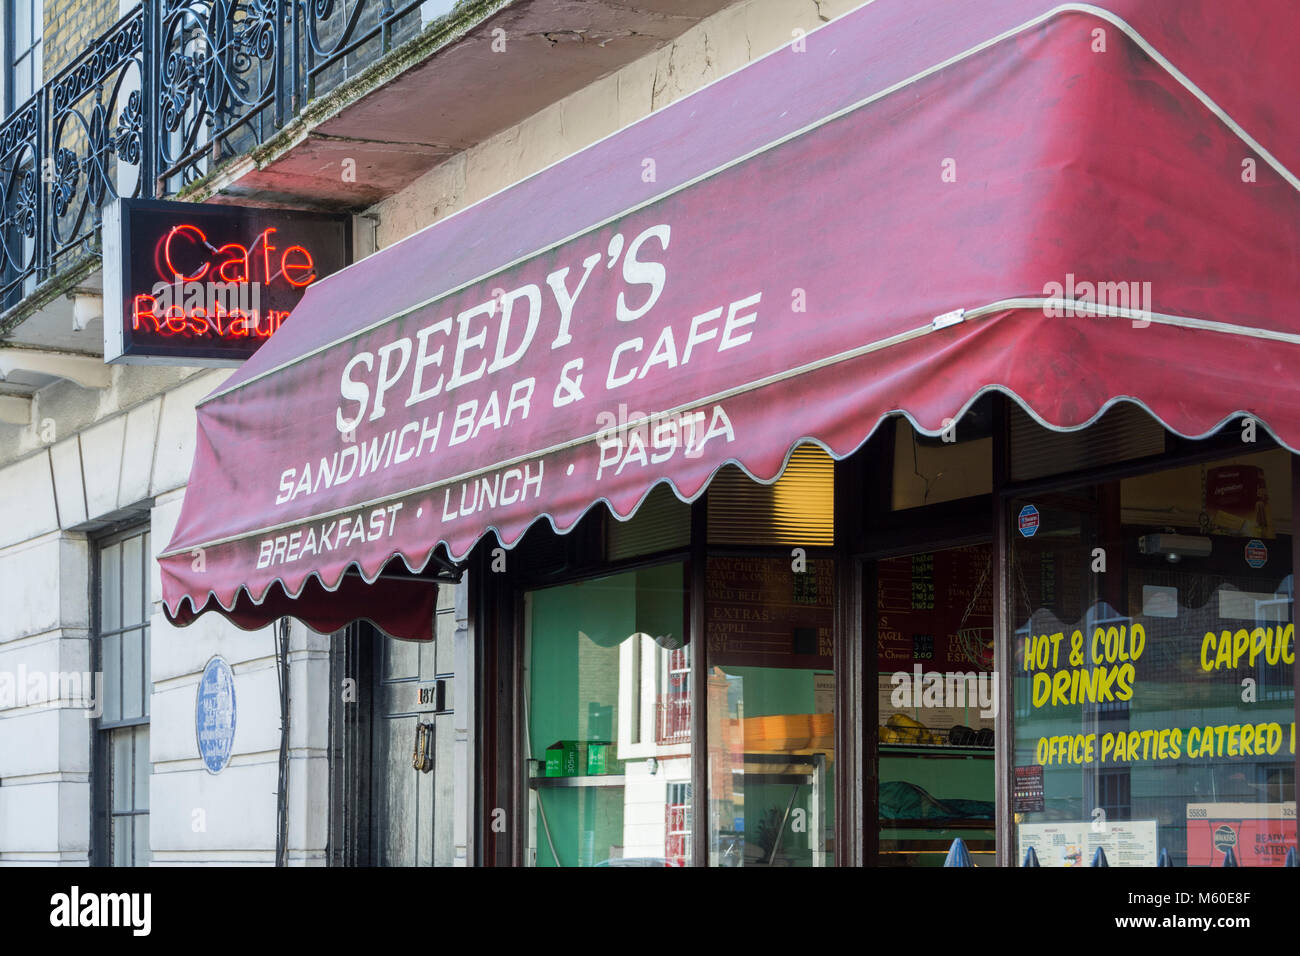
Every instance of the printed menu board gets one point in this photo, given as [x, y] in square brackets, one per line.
[761, 613]
[1068, 843]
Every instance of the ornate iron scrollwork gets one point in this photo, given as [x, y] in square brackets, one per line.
[91, 113]
[164, 96]
[20, 197]
[221, 64]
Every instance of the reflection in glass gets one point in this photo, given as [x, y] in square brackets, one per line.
[1154, 701]
[607, 719]
[936, 705]
[771, 698]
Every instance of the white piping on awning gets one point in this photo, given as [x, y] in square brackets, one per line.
[947, 320]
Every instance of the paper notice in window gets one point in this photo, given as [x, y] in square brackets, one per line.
[1159, 601]
[1253, 605]
[823, 693]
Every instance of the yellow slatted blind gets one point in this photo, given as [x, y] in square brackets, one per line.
[797, 509]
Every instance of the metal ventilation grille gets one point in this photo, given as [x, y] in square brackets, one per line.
[798, 509]
[1123, 433]
[661, 523]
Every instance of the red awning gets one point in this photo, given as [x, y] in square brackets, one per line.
[910, 206]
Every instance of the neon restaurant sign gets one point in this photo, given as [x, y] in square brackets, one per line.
[194, 284]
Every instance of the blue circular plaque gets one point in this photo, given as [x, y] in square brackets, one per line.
[214, 715]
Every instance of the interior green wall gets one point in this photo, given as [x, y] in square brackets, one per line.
[573, 694]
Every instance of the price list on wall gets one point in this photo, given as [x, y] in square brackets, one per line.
[921, 608]
[761, 613]
[923, 582]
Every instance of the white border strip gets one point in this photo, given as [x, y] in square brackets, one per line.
[1136, 315]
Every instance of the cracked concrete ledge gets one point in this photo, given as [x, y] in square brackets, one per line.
[58, 285]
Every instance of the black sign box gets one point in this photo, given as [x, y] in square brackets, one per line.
[202, 284]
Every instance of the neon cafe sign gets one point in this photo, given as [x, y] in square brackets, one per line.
[194, 284]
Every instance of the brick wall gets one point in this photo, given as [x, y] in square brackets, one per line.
[70, 27]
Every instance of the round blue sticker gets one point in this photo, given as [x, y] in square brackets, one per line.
[1256, 553]
[1028, 521]
[214, 715]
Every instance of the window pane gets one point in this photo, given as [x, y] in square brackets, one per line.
[582, 682]
[132, 582]
[142, 855]
[771, 693]
[111, 660]
[22, 24]
[661, 523]
[142, 768]
[120, 772]
[132, 674]
[1136, 730]
[22, 76]
[121, 838]
[110, 588]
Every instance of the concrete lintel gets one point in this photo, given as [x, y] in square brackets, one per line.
[15, 410]
[86, 370]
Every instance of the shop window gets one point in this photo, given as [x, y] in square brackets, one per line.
[1154, 663]
[956, 464]
[932, 629]
[796, 509]
[121, 749]
[771, 706]
[608, 659]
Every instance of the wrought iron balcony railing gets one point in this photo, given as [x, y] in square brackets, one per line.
[171, 92]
